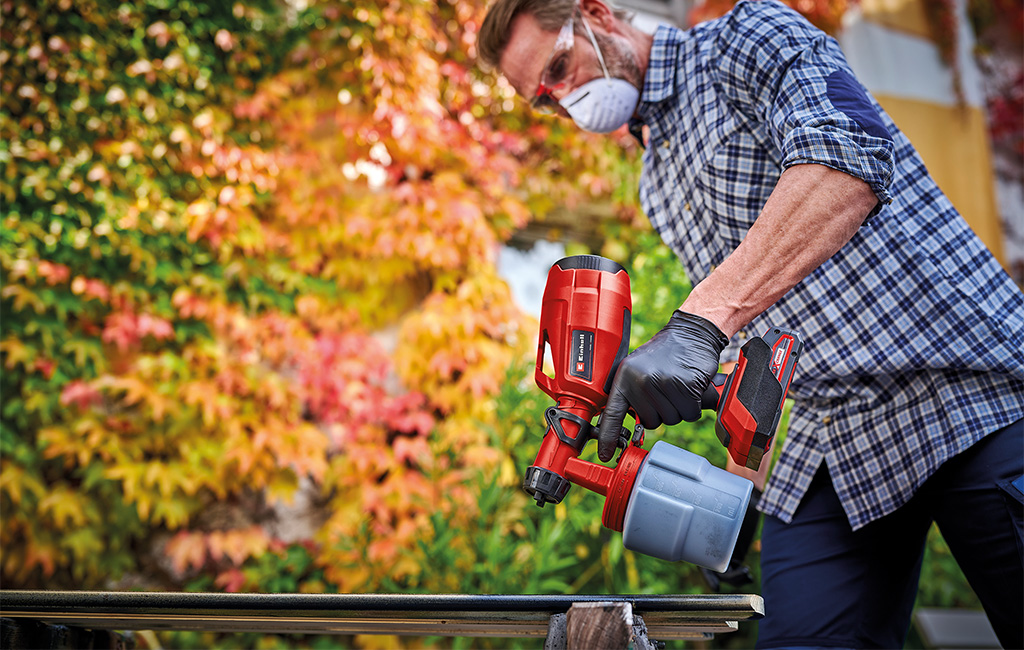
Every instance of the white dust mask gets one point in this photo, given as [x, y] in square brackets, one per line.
[601, 105]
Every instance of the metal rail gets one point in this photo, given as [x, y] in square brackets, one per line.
[666, 617]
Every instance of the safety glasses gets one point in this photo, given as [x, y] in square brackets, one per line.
[561, 66]
[557, 70]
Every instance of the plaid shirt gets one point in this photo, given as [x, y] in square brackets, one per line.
[914, 335]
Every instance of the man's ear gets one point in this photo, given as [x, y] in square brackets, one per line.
[599, 14]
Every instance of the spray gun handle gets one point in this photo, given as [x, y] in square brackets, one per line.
[749, 400]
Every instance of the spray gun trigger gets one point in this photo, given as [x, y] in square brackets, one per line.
[638, 435]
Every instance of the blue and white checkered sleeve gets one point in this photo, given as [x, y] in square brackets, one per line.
[785, 74]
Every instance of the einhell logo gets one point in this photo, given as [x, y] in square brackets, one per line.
[780, 356]
[581, 359]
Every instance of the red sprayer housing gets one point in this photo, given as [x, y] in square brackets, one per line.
[584, 321]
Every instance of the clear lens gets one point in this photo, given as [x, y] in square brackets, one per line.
[556, 71]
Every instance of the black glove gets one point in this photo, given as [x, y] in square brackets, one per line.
[663, 379]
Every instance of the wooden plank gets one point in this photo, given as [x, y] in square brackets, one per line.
[599, 625]
[666, 617]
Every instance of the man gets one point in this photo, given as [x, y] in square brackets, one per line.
[792, 199]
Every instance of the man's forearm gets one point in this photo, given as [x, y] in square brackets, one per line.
[812, 212]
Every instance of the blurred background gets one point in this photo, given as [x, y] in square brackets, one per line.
[270, 279]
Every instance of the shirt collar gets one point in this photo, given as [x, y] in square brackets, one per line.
[660, 79]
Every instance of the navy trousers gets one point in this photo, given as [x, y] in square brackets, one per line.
[826, 585]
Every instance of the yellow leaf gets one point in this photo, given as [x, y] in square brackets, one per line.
[173, 512]
[83, 543]
[134, 389]
[17, 353]
[378, 641]
[17, 482]
[63, 507]
[23, 297]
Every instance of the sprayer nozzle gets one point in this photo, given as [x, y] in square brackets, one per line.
[544, 485]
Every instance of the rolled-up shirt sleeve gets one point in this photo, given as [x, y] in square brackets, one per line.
[793, 83]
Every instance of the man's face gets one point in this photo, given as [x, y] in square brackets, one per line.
[530, 48]
[528, 51]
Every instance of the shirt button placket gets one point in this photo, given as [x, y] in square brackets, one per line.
[664, 149]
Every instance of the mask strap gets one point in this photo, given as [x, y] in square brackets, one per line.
[597, 49]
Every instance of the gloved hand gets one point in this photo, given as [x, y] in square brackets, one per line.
[663, 379]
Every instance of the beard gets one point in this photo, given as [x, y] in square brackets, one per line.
[619, 59]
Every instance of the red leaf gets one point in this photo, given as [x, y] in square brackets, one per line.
[81, 394]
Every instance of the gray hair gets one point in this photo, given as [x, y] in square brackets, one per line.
[550, 14]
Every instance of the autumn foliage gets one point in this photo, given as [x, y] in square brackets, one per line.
[211, 213]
